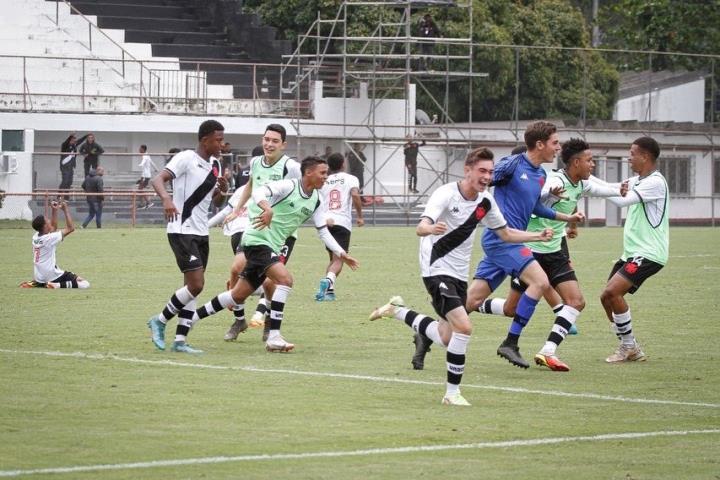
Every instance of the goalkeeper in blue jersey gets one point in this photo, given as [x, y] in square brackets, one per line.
[518, 181]
[563, 189]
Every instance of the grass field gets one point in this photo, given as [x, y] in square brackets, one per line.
[85, 395]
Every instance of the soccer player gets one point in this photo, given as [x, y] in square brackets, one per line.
[277, 210]
[646, 242]
[563, 189]
[518, 182]
[273, 165]
[196, 181]
[45, 241]
[340, 193]
[447, 228]
[147, 166]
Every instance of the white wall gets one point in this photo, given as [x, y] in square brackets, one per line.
[19, 181]
[681, 103]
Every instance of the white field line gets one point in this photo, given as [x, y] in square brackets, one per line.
[369, 378]
[354, 453]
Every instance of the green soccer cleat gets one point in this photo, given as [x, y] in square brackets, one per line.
[388, 310]
[183, 347]
[157, 331]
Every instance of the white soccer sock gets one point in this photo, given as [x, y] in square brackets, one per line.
[559, 330]
[332, 277]
[492, 306]
[455, 361]
[186, 318]
[623, 327]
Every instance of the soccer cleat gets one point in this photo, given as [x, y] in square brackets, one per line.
[322, 290]
[573, 330]
[388, 310]
[551, 361]
[278, 345]
[157, 331]
[32, 284]
[238, 327]
[266, 331]
[455, 399]
[183, 347]
[257, 320]
[627, 353]
[422, 347]
[511, 353]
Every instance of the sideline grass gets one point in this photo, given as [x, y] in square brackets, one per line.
[61, 411]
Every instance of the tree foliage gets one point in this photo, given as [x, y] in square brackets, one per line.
[689, 26]
[552, 82]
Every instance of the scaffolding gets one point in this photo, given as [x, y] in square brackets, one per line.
[393, 60]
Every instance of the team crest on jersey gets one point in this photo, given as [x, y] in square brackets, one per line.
[480, 212]
[215, 170]
[306, 211]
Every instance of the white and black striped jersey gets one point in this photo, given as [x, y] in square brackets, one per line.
[44, 247]
[449, 253]
[194, 180]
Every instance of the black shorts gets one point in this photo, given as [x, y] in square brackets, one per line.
[236, 242]
[448, 293]
[341, 236]
[556, 265]
[143, 182]
[191, 251]
[636, 270]
[286, 249]
[66, 277]
[258, 259]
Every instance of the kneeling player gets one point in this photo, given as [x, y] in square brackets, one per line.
[45, 242]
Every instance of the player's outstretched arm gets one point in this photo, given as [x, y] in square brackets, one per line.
[512, 235]
[69, 225]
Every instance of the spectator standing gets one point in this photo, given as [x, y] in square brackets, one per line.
[427, 29]
[410, 149]
[68, 153]
[147, 166]
[92, 151]
[93, 184]
[356, 164]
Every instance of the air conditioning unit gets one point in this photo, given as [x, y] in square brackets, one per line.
[8, 163]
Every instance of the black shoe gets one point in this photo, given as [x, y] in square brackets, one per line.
[422, 347]
[511, 353]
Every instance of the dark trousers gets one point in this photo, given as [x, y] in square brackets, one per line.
[88, 164]
[412, 175]
[67, 180]
[95, 210]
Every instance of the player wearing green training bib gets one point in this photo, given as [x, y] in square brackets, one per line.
[561, 192]
[645, 244]
[271, 166]
[278, 208]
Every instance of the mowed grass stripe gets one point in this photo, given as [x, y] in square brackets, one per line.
[370, 378]
[357, 453]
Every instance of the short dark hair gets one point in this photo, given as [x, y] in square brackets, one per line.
[143, 148]
[481, 153]
[208, 127]
[310, 162]
[335, 161]
[38, 223]
[276, 127]
[519, 149]
[573, 147]
[257, 151]
[539, 131]
[649, 145]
